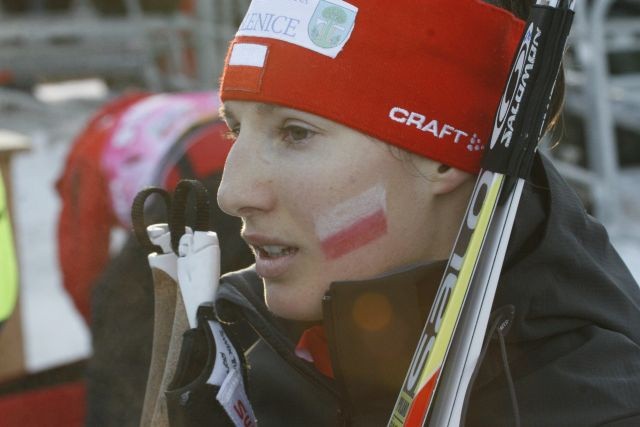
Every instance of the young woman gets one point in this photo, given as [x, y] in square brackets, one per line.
[359, 128]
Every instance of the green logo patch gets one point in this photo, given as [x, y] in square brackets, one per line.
[330, 24]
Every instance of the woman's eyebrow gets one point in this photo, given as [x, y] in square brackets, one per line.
[262, 109]
[266, 109]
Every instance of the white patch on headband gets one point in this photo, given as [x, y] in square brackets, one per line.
[248, 54]
[323, 26]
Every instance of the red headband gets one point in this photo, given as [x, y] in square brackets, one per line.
[424, 75]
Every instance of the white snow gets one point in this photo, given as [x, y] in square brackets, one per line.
[53, 330]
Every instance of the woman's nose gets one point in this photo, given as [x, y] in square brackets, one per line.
[247, 181]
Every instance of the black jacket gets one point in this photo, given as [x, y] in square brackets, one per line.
[573, 347]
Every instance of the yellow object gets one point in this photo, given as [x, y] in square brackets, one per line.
[8, 262]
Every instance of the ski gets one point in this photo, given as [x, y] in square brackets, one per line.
[447, 352]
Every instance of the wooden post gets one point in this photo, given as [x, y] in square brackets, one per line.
[12, 361]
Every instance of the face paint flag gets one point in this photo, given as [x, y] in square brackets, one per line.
[353, 223]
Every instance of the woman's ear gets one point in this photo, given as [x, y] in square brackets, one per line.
[449, 179]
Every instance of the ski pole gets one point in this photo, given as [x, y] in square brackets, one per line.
[196, 259]
[156, 239]
[551, 25]
[189, 261]
[476, 260]
[198, 278]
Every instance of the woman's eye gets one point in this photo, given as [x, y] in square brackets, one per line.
[296, 134]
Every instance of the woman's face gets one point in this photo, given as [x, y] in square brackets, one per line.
[319, 202]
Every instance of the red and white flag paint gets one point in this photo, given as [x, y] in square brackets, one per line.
[353, 223]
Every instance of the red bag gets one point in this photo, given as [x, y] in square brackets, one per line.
[132, 142]
[86, 217]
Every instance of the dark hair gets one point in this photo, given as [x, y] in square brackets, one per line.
[521, 9]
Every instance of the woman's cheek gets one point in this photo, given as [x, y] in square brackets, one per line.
[353, 223]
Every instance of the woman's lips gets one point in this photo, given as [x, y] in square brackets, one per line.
[273, 267]
[273, 256]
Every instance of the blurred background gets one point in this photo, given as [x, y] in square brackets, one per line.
[87, 85]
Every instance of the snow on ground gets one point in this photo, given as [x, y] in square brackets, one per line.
[53, 330]
[55, 333]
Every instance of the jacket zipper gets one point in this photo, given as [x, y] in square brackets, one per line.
[344, 413]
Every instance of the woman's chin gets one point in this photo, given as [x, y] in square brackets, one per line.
[288, 306]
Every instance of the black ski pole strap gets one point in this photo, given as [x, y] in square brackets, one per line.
[500, 323]
[191, 395]
[137, 216]
[523, 111]
[178, 220]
